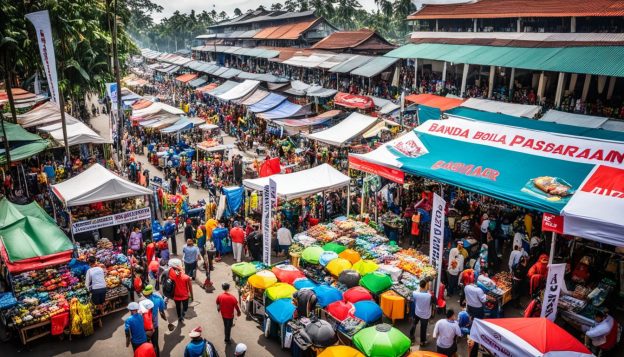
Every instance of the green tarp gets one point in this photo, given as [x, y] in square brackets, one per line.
[374, 67]
[27, 231]
[22, 144]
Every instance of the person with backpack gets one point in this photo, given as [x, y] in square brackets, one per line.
[178, 286]
[199, 347]
[159, 308]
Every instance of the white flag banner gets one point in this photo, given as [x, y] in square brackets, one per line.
[554, 283]
[269, 200]
[41, 21]
[436, 236]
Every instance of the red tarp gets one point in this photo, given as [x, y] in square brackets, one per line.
[394, 175]
[207, 88]
[36, 262]
[186, 77]
[270, 167]
[435, 101]
[354, 101]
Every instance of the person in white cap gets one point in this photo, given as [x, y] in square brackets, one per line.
[133, 326]
[240, 350]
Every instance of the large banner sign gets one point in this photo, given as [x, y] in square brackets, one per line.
[112, 220]
[41, 21]
[436, 237]
[269, 199]
[553, 288]
[540, 143]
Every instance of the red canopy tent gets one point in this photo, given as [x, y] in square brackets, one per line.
[340, 310]
[357, 293]
[354, 101]
[435, 101]
[526, 337]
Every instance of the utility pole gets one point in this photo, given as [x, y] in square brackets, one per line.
[64, 123]
[120, 120]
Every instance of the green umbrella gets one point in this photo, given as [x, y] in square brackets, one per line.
[334, 247]
[376, 282]
[312, 254]
[244, 269]
[381, 341]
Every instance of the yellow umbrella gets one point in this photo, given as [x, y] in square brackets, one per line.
[336, 266]
[262, 279]
[340, 351]
[424, 354]
[365, 267]
[350, 255]
[280, 291]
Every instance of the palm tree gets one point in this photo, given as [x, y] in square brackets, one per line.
[237, 12]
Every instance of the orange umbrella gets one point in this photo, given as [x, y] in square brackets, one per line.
[424, 354]
[340, 351]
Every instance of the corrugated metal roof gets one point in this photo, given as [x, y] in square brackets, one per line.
[519, 39]
[264, 33]
[521, 8]
[598, 60]
[344, 39]
[264, 16]
[249, 34]
[232, 49]
[295, 32]
[351, 64]
[230, 73]
[374, 67]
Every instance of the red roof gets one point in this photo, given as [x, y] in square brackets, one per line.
[186, 77]
[285, 32]
[435, 101]
[344, 39]
[486, 9]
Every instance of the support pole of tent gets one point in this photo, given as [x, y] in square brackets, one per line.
[245, 206]
[464, 79]
[362, 198]
[71, 223]
[572, 85]
[559, 91]
[444, 72]
[611, 87]
[348, 199]
[416, 73]
[491, 81]
[324, 209]
[540, 87]
[586, 87]
[553, 245]
[511, 80]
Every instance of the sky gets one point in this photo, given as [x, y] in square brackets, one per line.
[228, 6]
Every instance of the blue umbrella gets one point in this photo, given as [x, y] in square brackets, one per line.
[304, 283]
[281, 311]
[367, 310]
[327, 256]
[326, 294]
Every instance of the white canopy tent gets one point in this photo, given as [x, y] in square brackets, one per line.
[77, 133]
[586, 121]
[339, 134]
[156, 108]
[96, 184]
[240, 91]
[492, 106]
[47, 113]
[302, 183]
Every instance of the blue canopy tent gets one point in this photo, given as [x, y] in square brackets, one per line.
[267, 103]
[304, 283]
[182, 124]
[285, 110]
[368, 311]
[234, 198]
[279, 312]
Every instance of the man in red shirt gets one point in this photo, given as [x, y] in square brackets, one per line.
[226, 304]
[183, 290]
[237, 234]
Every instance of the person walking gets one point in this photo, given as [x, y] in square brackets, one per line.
[422, 312]
[519, 275]
[445, 332]
[284, 239]
[96, 284]
[254, 243]
[182, 288]
[199, 347]
[455, 266]
[145, 350]
[237, 234]
[135, 242]
[170, 230]
[189, 230]
[158, 309]
[226, 304]
[133, 327]
[475, 297]
[190, 256]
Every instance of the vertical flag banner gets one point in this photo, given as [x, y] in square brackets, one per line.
[436, 237]
[269, 200]
[41, 21]
[554, 284]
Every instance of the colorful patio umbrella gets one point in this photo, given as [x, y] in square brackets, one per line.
[287, 273]
[381, 340]
[334, 247]
[337, 266]
[376, 282]
[281, 311]
[340, 351]
[368, 311]
[425, 354]
[357, 293]
[365, 267]
[535, 336]
[312, 254]
[326, 294]
[280, 291]
[304, 283]
[244, 269]
[321, 333]
[262, 279]
[340, 310]
[350, 255]
[349, 277]
[327, 257]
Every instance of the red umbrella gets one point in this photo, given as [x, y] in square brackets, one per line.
[357, 293]
[287, 273]
[340, 310]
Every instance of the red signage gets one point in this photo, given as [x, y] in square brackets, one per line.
[606, 181]
[552, 223]
[394, 175]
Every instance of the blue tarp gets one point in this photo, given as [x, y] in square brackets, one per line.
[427, 113]
[326, 294]
[181, 124]
[368, 311]
[233, 200]
[222, 241]
[267, 103]
[285, 110]
[304, 283]
[281, 311]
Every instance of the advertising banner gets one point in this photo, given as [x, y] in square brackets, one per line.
[436, 249]
[41, 21]
[112, 220]
[554, 283]
[269, 199]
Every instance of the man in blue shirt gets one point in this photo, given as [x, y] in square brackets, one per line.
[135, 332]
[159, 308]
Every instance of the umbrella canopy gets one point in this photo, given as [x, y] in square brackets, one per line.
[304, 283]
[425, 354]
[281, 311]
[536, 336]
[262, 279]
[326, 257]
[376, 282]
[381, 341]
[312, 254]
[349, 277]
[340, 310]
[244, 269]
[368, 311]
[337, 266]
[280, 291]
[350, 255]
[356, 294]
[340, 351]
[334, 247]
[326, 294]
[287, 273]
[365, 267]
[321, 333]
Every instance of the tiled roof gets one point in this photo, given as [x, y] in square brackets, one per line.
[484, 9]
[285, 32]
[344, 39]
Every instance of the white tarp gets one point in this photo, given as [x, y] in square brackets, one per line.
[240, 91]
[77, 133]
[492, 106]
[614, 125]
[207, 126]
[96, 184]
[156, 108]
[585, 121]
[354, 125]
[311, 61]
[47, 113]
[303, 183]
